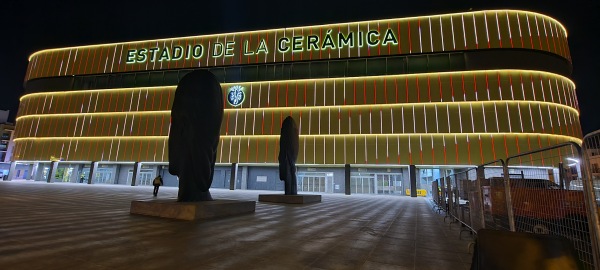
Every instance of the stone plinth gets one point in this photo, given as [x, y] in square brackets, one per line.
[191, 210]
[292, 199]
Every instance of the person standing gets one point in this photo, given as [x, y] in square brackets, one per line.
[157, 182]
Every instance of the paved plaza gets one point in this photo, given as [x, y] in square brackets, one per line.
[80, 226]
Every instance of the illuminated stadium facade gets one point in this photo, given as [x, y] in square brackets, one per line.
[441, 92]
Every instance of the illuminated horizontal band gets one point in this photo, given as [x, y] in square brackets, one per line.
[275, 137]
[307, 108]
[226, 85]
[299, 28]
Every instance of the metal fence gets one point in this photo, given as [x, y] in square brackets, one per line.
[544, 200]
[554, 190]
[591, 187]
[496, 201]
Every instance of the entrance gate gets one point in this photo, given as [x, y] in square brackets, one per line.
[376, 183]
[315, 182]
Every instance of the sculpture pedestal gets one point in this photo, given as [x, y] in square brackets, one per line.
[291, 199]
[191, 210]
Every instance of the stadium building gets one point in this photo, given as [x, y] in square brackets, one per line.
[441, 92]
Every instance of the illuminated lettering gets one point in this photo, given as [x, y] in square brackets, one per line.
[152, 53]
[164, 55]
[371, 34]
[297, 43]
[360, 38]
[177, 53]
[198, 51]
[281, 44]
[246, 50]
[217, 49]
[328, 41]
[229, 48]
[345, 41]
[141, 56]
[262, 47]
[130, 56]
[313, 42]
[187, 52]
[389, 37]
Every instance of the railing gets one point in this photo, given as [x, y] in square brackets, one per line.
[546, 191]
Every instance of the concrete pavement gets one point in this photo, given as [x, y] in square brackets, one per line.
[80, 226]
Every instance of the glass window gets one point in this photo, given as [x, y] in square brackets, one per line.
[142, 79]
[439, 62]
[171, 78]
[319, 69]
[396, 65]
[457, 61]
[337, 68]
[277, 72]
[89, 83]
[128, 80]
[78, 83]
[300, 70]
[357, 67]
[376, 66]
[249, 73]
[115, 81]
[183, 73]
[102, 82]
[417, 64]
[218, 72]
[157, 78]
[233, 74]
[266, 73]
[286, 72]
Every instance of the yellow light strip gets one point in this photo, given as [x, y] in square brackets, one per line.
[94, 114]
[564, 137]
[302, 27]
[225, 85]
[306, 108]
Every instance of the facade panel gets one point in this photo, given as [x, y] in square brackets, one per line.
[346, 40]
[384, 93]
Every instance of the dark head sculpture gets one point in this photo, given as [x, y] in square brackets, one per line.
[288, 153]
[196, 117]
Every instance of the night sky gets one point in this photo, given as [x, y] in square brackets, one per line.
[28, 27]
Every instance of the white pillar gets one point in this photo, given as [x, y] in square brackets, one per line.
[34, 170]
[244, 180]
[12, 171]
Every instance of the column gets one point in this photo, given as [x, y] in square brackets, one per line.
[412, 173]
[136, 170]
[93, 169]
[34, 170]
[374, 184]
[244, 183]
[347, 187]
[12, 171]
[53, 167]
[233, 176]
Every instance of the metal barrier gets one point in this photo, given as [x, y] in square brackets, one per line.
[554, 190]
[436, 196]
[591, 186]
[455, 198]
[542, 199]
[496, 197]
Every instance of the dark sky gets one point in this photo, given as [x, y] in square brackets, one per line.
[27, 27]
